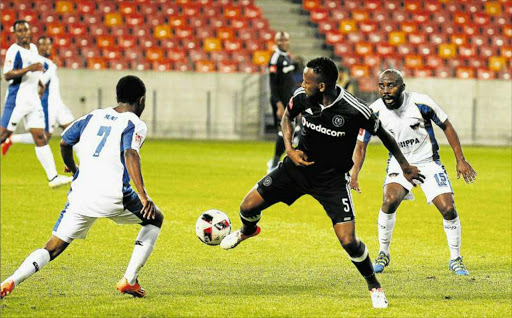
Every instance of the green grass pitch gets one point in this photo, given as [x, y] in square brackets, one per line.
[295, 268]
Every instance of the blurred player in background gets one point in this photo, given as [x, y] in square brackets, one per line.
[111, 139]
[408, 116]
[23, 69]
[282, 84]
[344, 80]
[57, 114]
[319, 166]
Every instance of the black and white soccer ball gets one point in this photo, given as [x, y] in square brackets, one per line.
[212, 226]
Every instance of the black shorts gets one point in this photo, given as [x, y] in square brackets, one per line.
[288, 182]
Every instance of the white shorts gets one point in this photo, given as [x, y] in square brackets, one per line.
[59, 115]
[436, 179]
[73, 225]
[28, 109]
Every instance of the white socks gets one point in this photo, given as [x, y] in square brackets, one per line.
[33, 263]
[143, 247]
[385, 224]
[45, 156]
[22, 138]
[453, 236]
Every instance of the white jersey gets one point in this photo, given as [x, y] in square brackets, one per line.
[102, 179]
[411, 126]
[17, 58]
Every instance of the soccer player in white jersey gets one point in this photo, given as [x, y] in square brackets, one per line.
[408, 116]
[23, 69]
[56, 113]
[111, 139]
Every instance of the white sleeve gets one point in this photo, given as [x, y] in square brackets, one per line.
[10, 59]
[436, 113]
[139, 135]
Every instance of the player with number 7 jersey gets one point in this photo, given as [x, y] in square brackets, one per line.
[104, 135]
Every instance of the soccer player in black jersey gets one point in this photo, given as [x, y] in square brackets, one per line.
[282, 84]
[319, 166]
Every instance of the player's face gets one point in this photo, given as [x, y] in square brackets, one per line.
[22, 33]
[44, 46]
[311, 85]
[283, 43]
[390, 90]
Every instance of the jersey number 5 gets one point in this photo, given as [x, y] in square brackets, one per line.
[105, 132]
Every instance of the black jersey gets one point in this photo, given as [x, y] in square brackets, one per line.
[281, 70]
[329, 133]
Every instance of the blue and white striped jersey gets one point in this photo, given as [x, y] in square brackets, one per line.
[104, 134]
[411, 126]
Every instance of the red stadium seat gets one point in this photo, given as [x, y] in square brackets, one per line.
[107, 7]
[331, 4]
[343, 48]
[119, 65]
[177, 21]
[372, 4]
[400, 16]
[453, 7]
[219, 56]
[55, 28]
[176, 54]
[140, 65]
[461, 18]
[126, 41]
[27, 15]
[67, 52]
[421, 17]
[225, 33]
[132, 53]
[197, 55]
[227, 67]
[437, 39]
[134, 19]
[423, 72]
[85, 7]
[368, 26]
[500, 40]
[319, 14]
[241, 56]
[477, 62]
[363, 48]
[413, 61]
[412, 5]
[252, 11]
[246, 34]
[458, 39]
[309, 5]
[266, 35]
[481, 18]
[111, 53]
[441, 17]
[405, 49]
[154, 54]
[327, 26]
[470, 29]
[360, 15]
[450, 28]
[93, 19]
[63, 40]
[434, 61]
[506, 51]
[190, 43]
[334, 37]
[429, 28]
[384, 49]
[417, 38]
[393, 61]
[63, 6]
[182, 66]
[119, 31]
[380, 15]
[184, 32]
[443, 72]
[77, 29]
[231, 11]
[149, 8]
[248, 68]
[126, 8]
[161, 66]
[389, 26]
[485, 73]
[479, 40]
[426, 49]
[348, 60]
[259, 23]
[367, 84]
[205, 32]
[8, 17]
[486, 51]
[409, 26]
[74, 62]
[351, 4]
[359, 70]
[372, 60]
[105, 41]
[239, 23]
[212, 11]
[232, 45]
[377, 37]
[339, 14]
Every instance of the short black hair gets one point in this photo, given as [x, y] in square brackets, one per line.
[326, 70]
[130, 89]
[44, 37]
[19, 22]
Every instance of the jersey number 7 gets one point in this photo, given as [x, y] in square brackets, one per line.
[105, 132]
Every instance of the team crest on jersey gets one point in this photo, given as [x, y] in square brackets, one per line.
[267, 181]
[138, 139]
[338, 121]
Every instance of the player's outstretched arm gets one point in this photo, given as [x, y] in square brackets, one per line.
[463, 167]
[66, 152]
[298, 157]
[410, 172]
[132, 160]
[358, 158]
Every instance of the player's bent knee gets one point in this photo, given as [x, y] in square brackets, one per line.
[391, 202]
[448, 212]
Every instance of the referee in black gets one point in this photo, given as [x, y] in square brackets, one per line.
[282, 85]
[331, 119]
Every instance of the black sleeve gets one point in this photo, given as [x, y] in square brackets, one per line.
[371, 124]
[275, 70]
[296, 104]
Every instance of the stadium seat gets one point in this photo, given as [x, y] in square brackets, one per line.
[96, 63]
[149, 8]
[183, 32]
[408, 26]
[363, 48]
[457, 62]
[219, 56]
[126, 8]
[63, 6]
[372, 60]
[417, 38]
[470, 29]
[343, 48]
[252, 11]
[334, 37]
[507, 30]
[154, 54]
[190, 43]
[111, 53]
[423, 72]
[412, 5]
[319, 14]
[497, 63]
[170, 9]
[437, 39]
[331, 4]
[380, 15]
[309, 5]
[205, 32]
[452, 7]
[67, 52]
[434, 61]
[197, 55]
[485, 73]
[464, 72]
[197, 21]
[359, 70]
[347, 26]
[441, 17]
[182, 66]
[500, 40]
[204, 66]
[493, 8]
[377, 37]
[119, 65]
[355, 37]
[466, 50]
[113, 19]
[481, 18]
[8, 17]
[134, 19]
[360, 15]
[393, 61]
[339, 15]
[429, 28]
[74, 62]
[506, 51]
[239, 23]
[241, 56]
[105, 41]
[458, 39]
[248, 68]
[368, 26]
[126, 41]
[477, 62]
[211, 11]
[227, 66]
[232, 11]
[85, 7]
[443, 72]
[413, 61]
[161, 65]
[351, 4]
[28, 15]
[105, 7]
[212, 44]
[421, 17]
[232, 45]
[486, 51]
[176, 54]
[177, 21]
[119, 31]
[162, 31]
[260, 57]
[396, 38]
[348, 60]
[461, 18]
[225, 33]
[246, 34]
[140, 65]
[384, 49]
[406, 48]
[63, 40]
[449, 28]
[259, 23]
[447, 50]
[400, 16]
[77, 29]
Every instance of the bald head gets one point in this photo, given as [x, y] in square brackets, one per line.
[282, 39]
[391, 87]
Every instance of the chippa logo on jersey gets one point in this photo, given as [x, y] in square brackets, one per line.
[321, 129]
